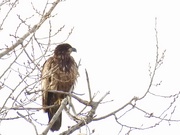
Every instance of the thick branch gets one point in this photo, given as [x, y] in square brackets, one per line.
[55, 117]
[32, 30]
[87, 119]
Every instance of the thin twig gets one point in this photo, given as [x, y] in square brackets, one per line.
[88, 83]
[32, 30]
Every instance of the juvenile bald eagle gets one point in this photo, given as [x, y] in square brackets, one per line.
[59, 73]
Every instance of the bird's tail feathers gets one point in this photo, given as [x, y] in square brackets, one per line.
[57, 124]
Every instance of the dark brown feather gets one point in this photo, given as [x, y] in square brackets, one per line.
[59, 73]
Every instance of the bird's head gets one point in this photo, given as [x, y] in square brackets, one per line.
[64, 49]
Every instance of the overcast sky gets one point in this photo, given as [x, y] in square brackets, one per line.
[116, 42]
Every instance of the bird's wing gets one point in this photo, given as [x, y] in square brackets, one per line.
[46, 80]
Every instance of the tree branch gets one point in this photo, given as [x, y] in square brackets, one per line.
[32, 30]
[55, 117]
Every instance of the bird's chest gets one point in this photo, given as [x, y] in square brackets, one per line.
[62, 80]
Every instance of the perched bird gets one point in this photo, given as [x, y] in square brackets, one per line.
[59, 73]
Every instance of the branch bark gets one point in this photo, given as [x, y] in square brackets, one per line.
[32, 30]
[55, 117]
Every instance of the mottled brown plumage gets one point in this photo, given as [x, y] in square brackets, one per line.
[59, 73]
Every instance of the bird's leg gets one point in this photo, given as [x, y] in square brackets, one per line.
[59, 101]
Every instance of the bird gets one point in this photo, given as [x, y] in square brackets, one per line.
[60, 73]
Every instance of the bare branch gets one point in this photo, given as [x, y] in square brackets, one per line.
[88, 83]
[55, 117]
[28, 120]
[32, 30]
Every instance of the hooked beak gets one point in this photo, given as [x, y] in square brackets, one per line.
[73, 49]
